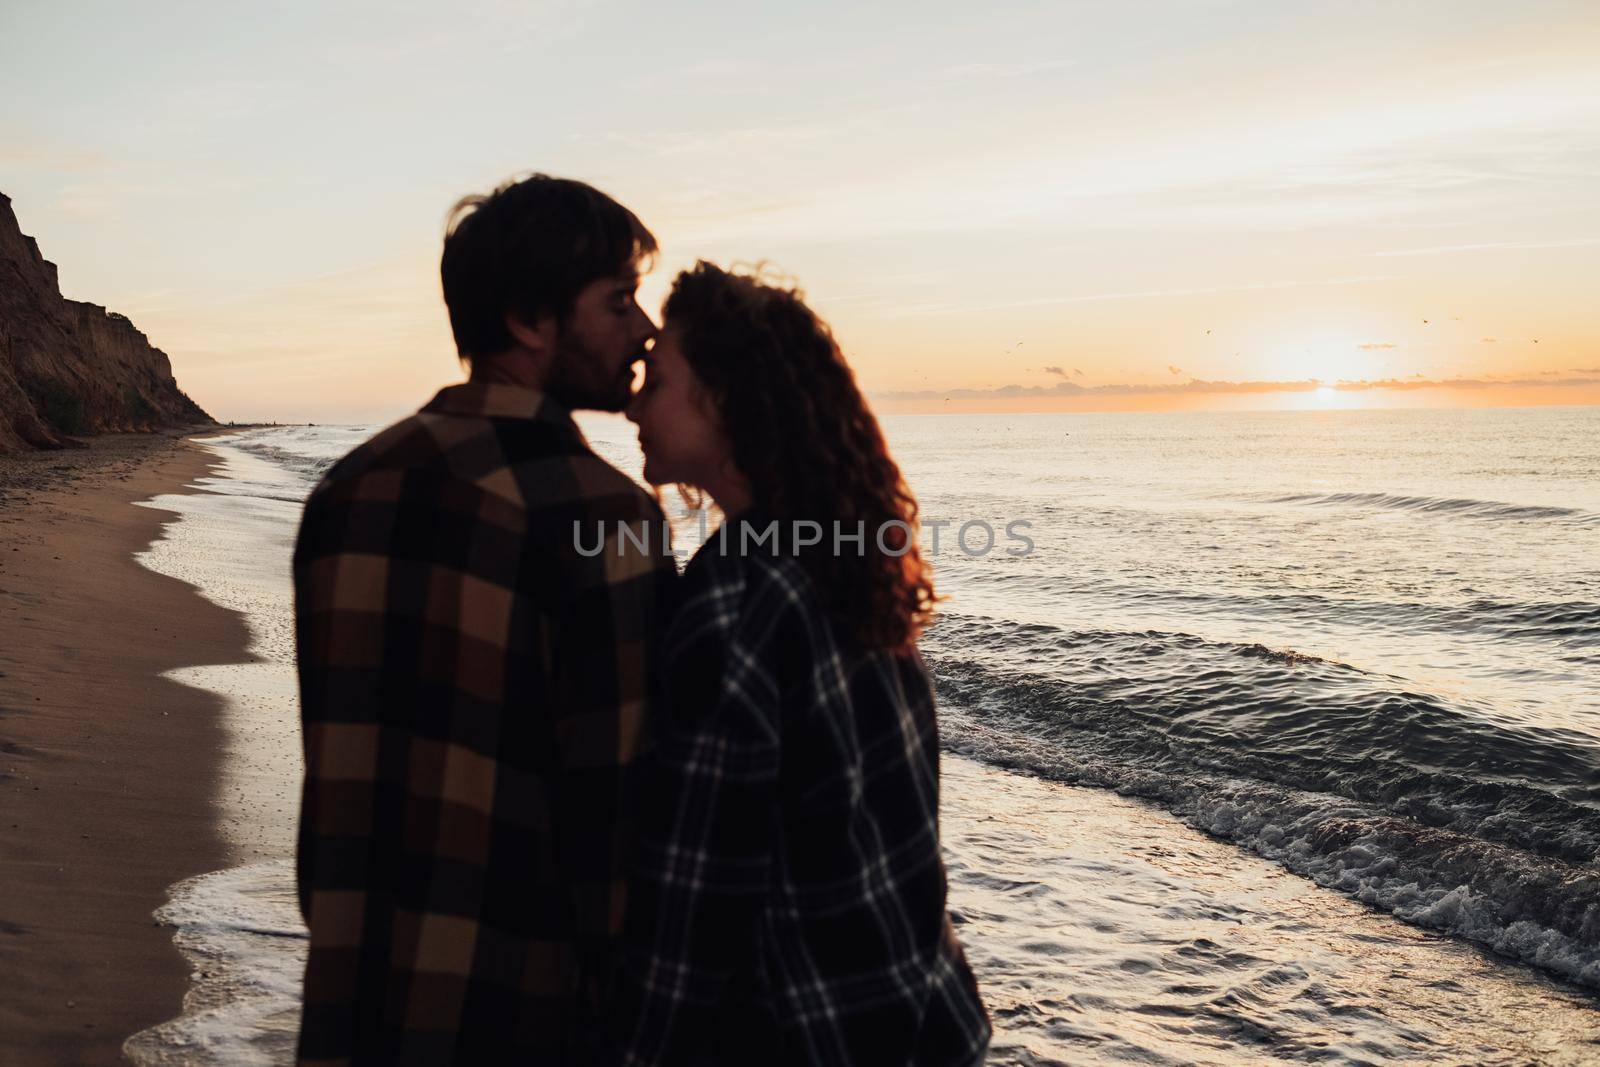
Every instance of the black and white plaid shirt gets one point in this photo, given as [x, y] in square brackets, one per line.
[788, 899]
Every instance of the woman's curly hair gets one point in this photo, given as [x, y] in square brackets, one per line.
[801, 434]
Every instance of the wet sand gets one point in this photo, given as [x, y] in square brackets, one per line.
[107, 769]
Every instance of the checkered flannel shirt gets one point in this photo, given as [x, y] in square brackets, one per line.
[473, 689]
[788, 900]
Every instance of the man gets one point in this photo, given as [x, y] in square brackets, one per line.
[472, 686]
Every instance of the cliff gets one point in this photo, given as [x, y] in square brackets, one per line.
[68, 367]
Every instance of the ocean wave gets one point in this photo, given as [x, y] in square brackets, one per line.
[1567, 622]
[307, 451]
[1422, 807]
[1461, 506]
[310, 466]
[240, 929]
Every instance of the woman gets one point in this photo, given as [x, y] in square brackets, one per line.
[789, 901]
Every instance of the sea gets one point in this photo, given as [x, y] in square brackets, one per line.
[1270, 737]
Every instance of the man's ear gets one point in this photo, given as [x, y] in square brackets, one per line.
[538, 336]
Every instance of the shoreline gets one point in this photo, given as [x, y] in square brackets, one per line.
[108, 769]
[1104, 928]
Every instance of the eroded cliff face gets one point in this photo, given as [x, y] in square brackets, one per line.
[68, 367]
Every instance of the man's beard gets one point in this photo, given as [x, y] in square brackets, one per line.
[578, 379]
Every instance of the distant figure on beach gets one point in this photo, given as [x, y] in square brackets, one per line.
[472, 687]
[788, 902]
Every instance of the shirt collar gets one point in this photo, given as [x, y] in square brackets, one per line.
[496, 400]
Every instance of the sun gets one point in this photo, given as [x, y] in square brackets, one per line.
[1327, 359]
[1329, 397]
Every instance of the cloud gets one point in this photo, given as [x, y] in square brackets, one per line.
[1135, 294]
[1580, 242]
[1174, 370]
[1486, 340]
[1008, 70]
[47, 157]
[1376, 347]
[1590, 377]
[1057, 371]
[1584, 370]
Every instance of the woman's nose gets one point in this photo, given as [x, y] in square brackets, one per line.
[646, 324]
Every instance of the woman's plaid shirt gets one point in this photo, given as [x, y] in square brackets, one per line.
[788, 901]
[473, 690]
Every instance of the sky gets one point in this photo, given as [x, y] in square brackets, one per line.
[1047, 206]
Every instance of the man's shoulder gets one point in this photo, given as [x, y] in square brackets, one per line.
[401, 446]
[530, 466]
[600, 487]
[404, 437]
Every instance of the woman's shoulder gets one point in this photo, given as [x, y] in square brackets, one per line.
[733, 587]
[751, 580]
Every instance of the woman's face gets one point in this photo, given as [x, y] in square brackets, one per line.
[678, 430]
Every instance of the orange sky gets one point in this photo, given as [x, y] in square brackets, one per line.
[1319, 399]
[1057, 207]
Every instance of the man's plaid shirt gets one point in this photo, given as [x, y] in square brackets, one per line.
[473, 690]
[788, 900]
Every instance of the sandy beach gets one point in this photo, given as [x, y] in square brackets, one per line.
[107, 769]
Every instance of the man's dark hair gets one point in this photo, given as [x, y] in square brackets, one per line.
[530, 247]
